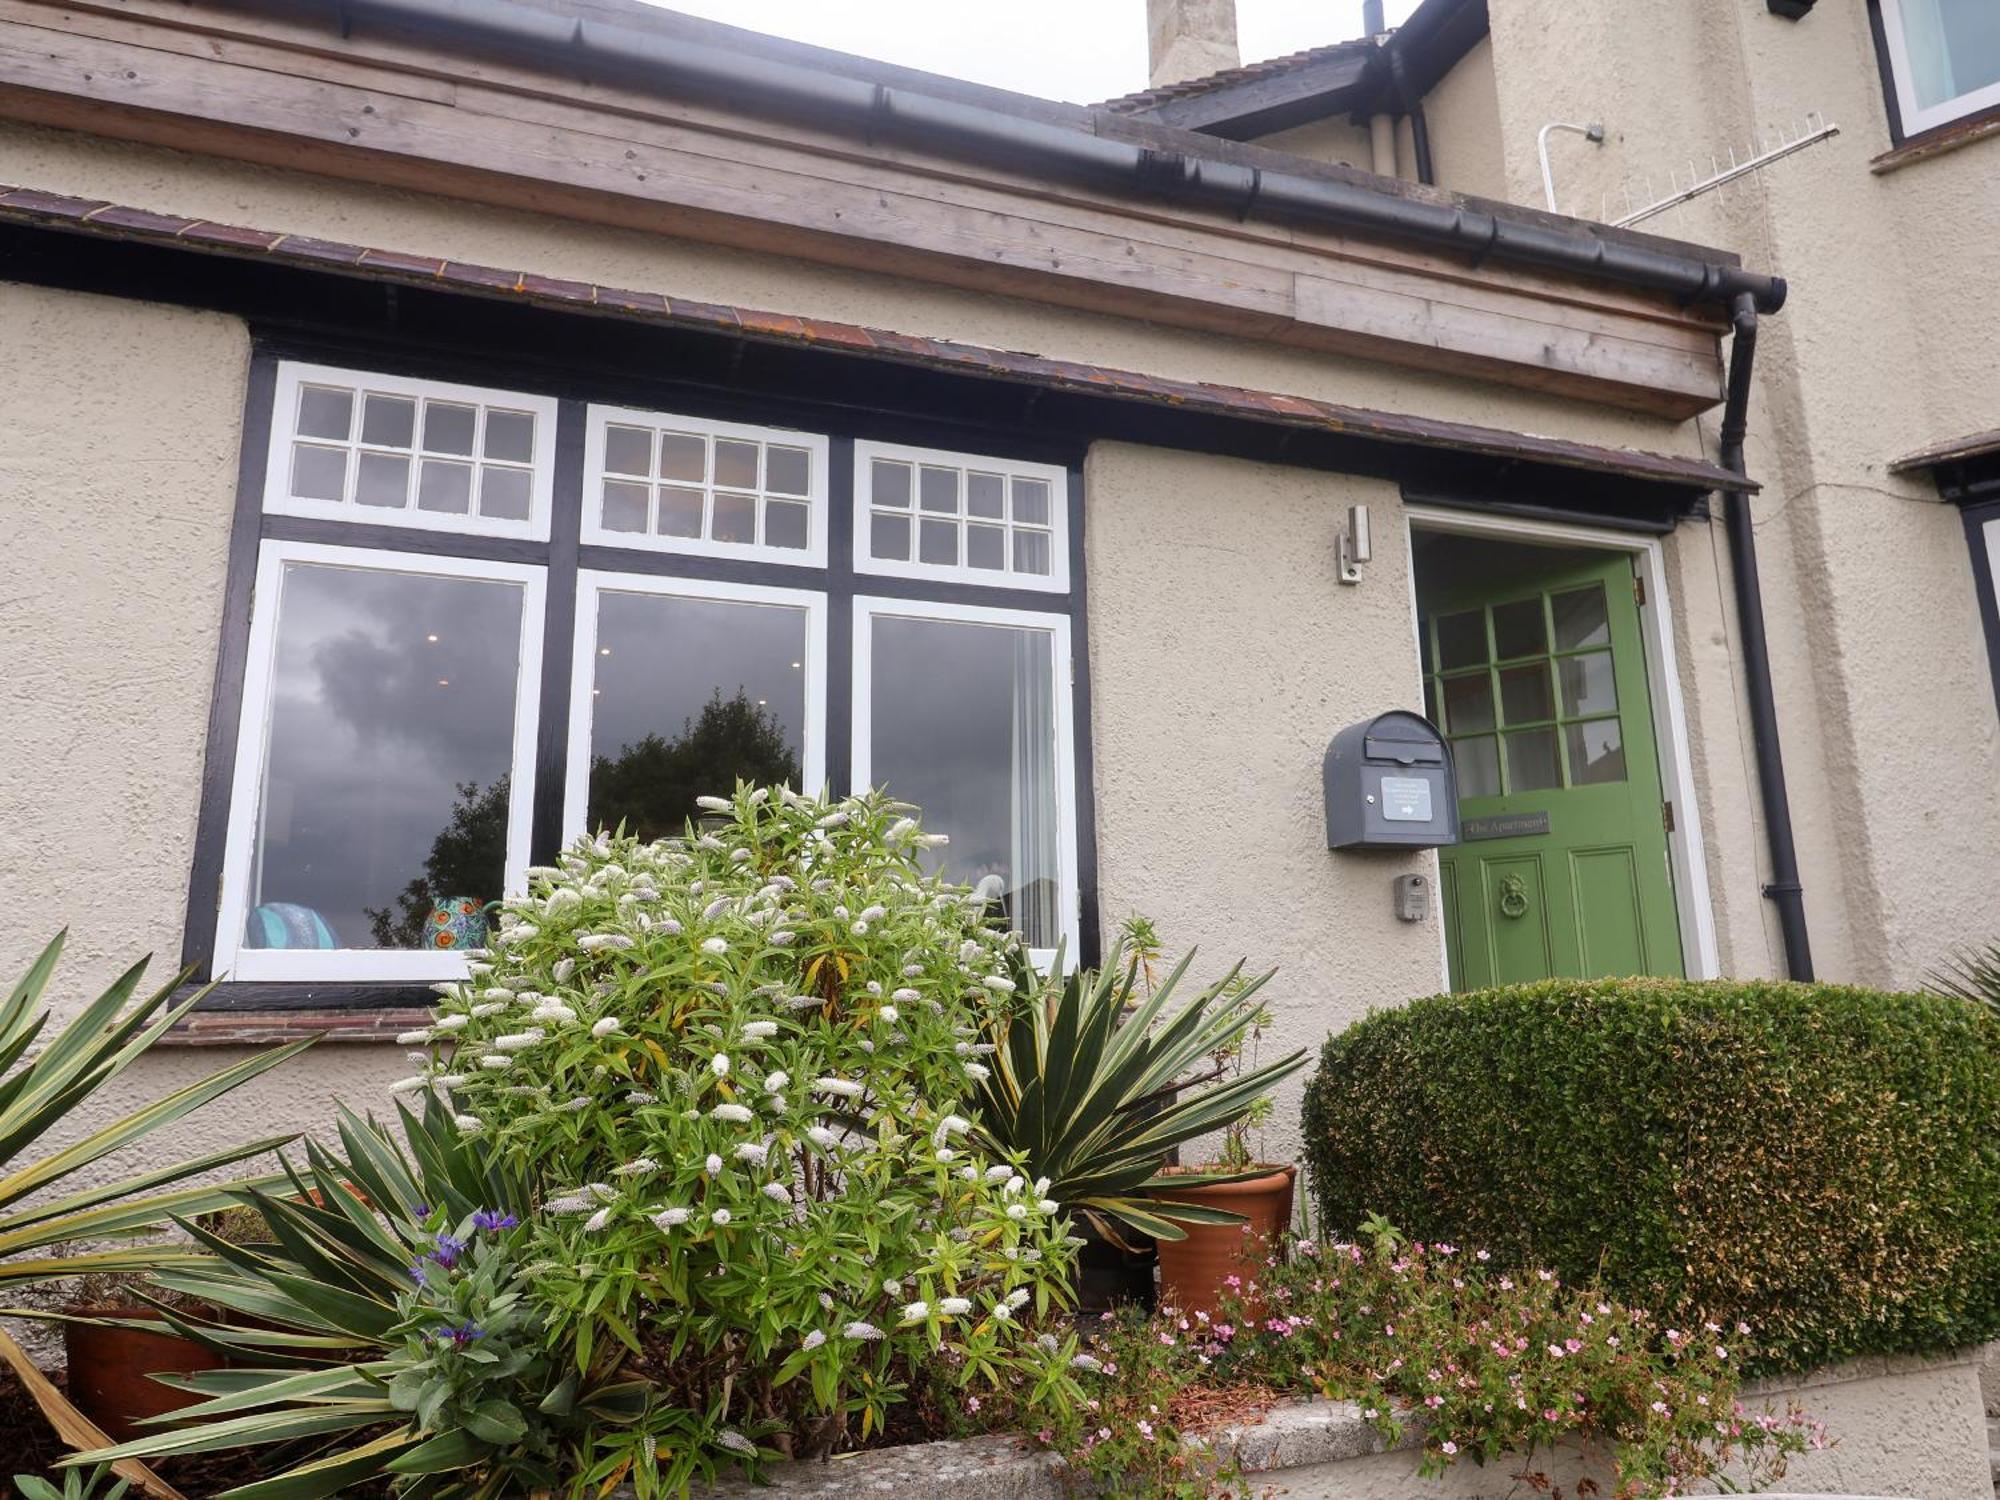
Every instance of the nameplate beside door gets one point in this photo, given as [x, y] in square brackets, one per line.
[1504, 826]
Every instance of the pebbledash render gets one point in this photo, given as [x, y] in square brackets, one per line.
[436, 430]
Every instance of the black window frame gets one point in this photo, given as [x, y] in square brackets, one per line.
[563, 555]
[1892, 107]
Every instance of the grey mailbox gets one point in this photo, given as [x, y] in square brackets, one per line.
[1389, 785]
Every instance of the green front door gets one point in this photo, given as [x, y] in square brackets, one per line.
[1539, 681]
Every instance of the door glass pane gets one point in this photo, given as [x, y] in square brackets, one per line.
[1525, 695]
[1519, 629]
[962, 724]
[1588, 686]
[1596, 752]
[1953, 47]
[1532, 763]
[1468, 703]
[1478, 763]
[689, 696]
[391, 742]
[1580, 619]
[1462, 639]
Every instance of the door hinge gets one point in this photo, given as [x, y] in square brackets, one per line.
[1639, 589]
[1667, 815]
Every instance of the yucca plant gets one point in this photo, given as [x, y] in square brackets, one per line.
[1970, 974]
[385, 1328]
[1097, 1082]
[36, 1094]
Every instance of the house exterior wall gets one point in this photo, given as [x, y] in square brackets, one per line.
[1885, 346]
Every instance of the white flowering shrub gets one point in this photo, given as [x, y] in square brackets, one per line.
[739, 1065]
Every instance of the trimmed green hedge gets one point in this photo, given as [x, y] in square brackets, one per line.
[1820, 1162]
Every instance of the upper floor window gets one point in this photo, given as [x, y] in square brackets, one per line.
[1944, 56]
[921, 513]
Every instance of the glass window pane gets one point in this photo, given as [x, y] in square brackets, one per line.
[937, 542]
[448, 427]
[1468, 703]
[444, 487]
[319, 473]
[1953, 47]
[962, 724]
[889, 538]
[787, 470]
[325, 412]
[503, 493]
[735, 519]
[683, 456]
[1588, 686]
[510, 436]
[1031, 553]
[986, 547]
[384, 798]
[1031, 502]
[1532, 762]
[625, 505]
[1462, 639]
[986, 495]
[1431, 699]
[1596, 752]
[384, 479]
[736, 464]
[1525, 694]
[1478, 765]
[1580, 619]
[785, 524]
[389, 421]
[628, 450]
[1519, 629]
[690, 696]
[680, 511]
[937, 489]
[889, 484]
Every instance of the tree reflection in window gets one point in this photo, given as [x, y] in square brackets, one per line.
[650, 785]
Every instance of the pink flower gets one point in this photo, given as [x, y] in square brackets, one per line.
[1234, 1283]
[1448, 1448]
[972, 1403]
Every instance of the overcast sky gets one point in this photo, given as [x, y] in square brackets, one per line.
[1081, 50]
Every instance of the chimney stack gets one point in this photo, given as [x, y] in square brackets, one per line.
[1372, 24]
[1190, 39]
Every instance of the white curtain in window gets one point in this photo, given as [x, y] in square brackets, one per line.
[1929, 49]
[1037, 886]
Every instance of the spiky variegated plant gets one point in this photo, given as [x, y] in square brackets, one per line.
[36, 1095]
[1970, 974]
[1097, 1083]
[382, 1329]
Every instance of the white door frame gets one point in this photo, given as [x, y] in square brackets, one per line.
[1656, 627]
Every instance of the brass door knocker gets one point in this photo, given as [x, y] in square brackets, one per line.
[1513, 896]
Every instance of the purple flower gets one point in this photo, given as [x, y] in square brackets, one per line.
[423, 1210]
[448, 1251]
[417, 1273]
[460, 1336]
[493, 1219]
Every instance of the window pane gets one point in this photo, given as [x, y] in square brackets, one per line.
[1478, 763]
[1596, 752]
[325, 412]
[1525, 695]
[1468, 703]
[735, 519]
[503, 494]
[736, 464]
[890, 484]
[628, 450]
[680, 511]
[384, 479]
[448, 427]
[787, 470]
[1587, 684]
[1031, 502]
[937, 542]
[445, 487]
[1031, 552]
[1580, 620]
[1462, 639]
[937, 489]
[683, 456]
[625, 506]
[319, 473]
[1953, 46]
[963, 725]
[389, 421]
[1519, 630]
[384, 798]
[510, 436]
[785, 524]
[986, 547]
[690, 696]
[889, 538]
[986, 495]
[1532, 763]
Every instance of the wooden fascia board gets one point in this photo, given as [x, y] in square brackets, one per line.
[1260, 106]
[257, 90]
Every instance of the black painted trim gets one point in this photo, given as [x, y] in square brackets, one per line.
[1892, 109]
[413, 540]
[1976, 518]
[559, 634]
[839, 584]
[1090, 940]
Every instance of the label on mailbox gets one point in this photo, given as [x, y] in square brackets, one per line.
[1406, 799]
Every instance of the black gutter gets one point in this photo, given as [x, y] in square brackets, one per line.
[1783, 888]
[546, 40]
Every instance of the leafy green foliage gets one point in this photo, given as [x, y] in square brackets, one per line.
[1096, 1077]
[1817, 1161]
[1971, 974]
[77, 1484]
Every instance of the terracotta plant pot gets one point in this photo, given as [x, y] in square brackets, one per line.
[110, 1369]
[1192, 1270]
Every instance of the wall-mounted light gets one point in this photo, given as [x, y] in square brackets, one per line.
[1355, 546]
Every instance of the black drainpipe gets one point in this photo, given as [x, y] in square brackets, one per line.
[1783, 889]
[1413, 106]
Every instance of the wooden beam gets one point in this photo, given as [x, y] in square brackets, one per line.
[1263, 105]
